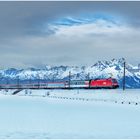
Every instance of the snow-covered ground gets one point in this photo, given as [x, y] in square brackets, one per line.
[70, 114]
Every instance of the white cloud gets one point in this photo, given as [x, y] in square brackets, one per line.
[81, 44]
[98, 27]
[101, 39]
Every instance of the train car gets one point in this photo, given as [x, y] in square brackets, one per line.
[57, 85]
[79, 84]
[104, 83]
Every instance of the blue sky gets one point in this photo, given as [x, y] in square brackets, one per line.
[34, 34]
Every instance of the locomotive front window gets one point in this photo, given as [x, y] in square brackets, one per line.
[114, 80]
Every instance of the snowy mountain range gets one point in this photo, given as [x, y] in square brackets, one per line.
[101, 69]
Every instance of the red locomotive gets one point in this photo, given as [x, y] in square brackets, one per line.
[104, 83]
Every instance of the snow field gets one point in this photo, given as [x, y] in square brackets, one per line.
[113, 95]
[38, 116]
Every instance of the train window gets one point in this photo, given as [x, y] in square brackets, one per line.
[77, 82]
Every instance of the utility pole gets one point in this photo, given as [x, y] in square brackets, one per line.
[124, 75]
[69, 78]
[53, 78]
[30, 86]
[7, 83]
[88, 77]
[38, 81]
[18, 82]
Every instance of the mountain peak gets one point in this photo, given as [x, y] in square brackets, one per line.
[101, 69]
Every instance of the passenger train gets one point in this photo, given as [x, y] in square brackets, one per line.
[72, 84]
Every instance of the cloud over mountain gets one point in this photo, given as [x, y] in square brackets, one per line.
[34, 34]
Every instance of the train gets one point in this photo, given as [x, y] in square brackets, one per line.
[110, 83]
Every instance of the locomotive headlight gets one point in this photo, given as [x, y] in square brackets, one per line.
[104, 83]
